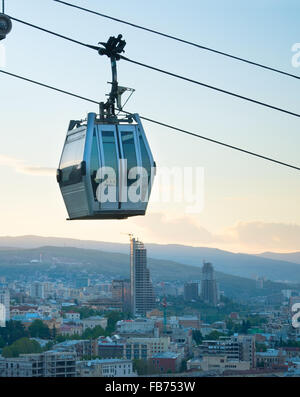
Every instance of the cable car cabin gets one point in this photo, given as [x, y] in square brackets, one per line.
[106, 169]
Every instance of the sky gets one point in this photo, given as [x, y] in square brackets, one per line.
[250, 205]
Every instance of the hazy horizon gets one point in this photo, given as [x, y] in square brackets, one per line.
[145, 242]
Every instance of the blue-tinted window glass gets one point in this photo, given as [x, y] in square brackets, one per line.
[146, 164]
[71, 158]
[94, 165]
[129, 152]
[110, 151]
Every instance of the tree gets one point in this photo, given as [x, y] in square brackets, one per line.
[289, 343]
[87, 357]
[93, 333]
[13, 331]
[214, 335]
[2, 342]
[197, 336]
[54, 332]
[244, 327]
[183, 365]
[21, 346]
[128, 316]
[84, 312]
[260, 347]
[60, 338]
[112, 319]
[229, 324]
[144, 367]
[39, 330]
[48, 346]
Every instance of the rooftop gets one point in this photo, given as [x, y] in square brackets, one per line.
[105, 361]
[166, 355]
[94, 318]
[269, 353]
[70, 342]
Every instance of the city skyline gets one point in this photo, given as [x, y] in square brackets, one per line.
[70, 311]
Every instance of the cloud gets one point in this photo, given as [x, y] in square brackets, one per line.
[265, 236]
[244, 236]
[21, 167]
[34, 170]
[179, 230]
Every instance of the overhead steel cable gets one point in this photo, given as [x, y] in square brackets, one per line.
[48, 86]
[164, 71]
[182, 40]
[220, 143]
[211, 87]
[157, 122]
[50, 32]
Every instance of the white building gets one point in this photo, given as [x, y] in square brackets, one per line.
[144, 348]
[5, 301]
[72, 316]
[47, 364]
[93, 321]
[218, 363]
[105, 368]
[139, 326]
[37, 290]
[48, 289]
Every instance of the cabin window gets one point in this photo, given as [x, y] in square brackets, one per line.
[146, 164]
[71, 159]
[129, 153]
[110, 155]
[94, 165]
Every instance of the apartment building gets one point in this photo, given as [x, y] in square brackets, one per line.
[219, 363]
[105, 368]
[93, 321]
[48, 364]
[137, 326]
[271, 358]
[5, 305]
[144, 348]
[82, 348]
[237, 347]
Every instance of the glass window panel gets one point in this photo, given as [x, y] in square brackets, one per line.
[129, 152]
[146, 164]
[71, 158]
[110, 152]
[94, 165]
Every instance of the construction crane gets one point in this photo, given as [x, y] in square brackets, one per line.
[164, 305]
[128, 234]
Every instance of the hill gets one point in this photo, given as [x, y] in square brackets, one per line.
[69, 262]
[293, 257]
[276, 268]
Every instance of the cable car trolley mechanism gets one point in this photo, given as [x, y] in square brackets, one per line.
[106, 169]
